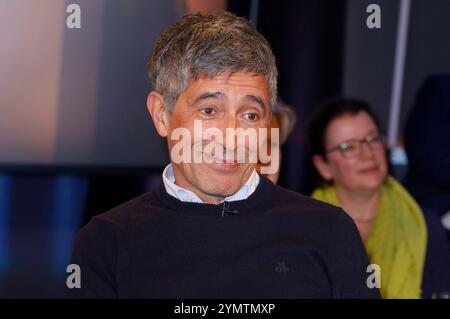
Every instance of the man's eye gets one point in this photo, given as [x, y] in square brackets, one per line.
[208, 111]
[251, 116]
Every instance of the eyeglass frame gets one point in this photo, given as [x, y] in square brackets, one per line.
[367, 140]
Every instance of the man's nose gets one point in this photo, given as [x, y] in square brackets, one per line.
[229, 124]
[230, 121]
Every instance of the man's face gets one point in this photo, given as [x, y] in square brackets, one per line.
[237, 101]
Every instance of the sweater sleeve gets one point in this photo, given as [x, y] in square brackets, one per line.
[350, 274]
[95, 252]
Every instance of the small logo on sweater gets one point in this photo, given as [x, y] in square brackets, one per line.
[281, 267]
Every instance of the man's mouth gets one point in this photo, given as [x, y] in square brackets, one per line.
[209, 158]
[221, 163]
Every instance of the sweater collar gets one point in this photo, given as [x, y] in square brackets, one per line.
[186, 195]
[255, 202]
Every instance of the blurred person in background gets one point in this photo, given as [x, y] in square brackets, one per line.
[350, 155]
[427, 145]
[283, 118]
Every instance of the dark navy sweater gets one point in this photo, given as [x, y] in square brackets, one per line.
[274, 244]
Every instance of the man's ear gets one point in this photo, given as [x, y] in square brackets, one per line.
[157, 109]
[323, 167]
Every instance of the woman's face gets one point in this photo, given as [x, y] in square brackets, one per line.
[364, 171]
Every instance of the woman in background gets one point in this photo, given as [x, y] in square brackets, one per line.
[349, 154]
[283, 118]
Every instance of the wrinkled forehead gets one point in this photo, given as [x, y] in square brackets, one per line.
[239, 85]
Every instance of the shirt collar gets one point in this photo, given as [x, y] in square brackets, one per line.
[186, 195]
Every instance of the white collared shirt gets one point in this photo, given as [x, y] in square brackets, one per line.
[186, 195]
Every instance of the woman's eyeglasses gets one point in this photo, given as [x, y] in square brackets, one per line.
[353, 149]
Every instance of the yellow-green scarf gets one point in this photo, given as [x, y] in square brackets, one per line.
[397, 241]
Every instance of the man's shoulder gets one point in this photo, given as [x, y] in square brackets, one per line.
[291, 202]
[130, 212]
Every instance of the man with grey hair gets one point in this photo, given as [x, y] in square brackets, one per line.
[215, 228]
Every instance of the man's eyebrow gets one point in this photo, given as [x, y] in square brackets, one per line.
[256, 99]
[207, 95]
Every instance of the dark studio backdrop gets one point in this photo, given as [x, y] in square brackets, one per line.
[103, 150]
[307, 39]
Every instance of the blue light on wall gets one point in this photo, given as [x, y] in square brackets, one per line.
[69, 204]
[5, 198]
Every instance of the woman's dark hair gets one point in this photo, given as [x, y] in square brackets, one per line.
[329, 111]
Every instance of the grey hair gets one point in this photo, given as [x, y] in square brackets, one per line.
[209, 44]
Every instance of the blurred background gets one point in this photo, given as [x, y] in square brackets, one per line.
[75, 135]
